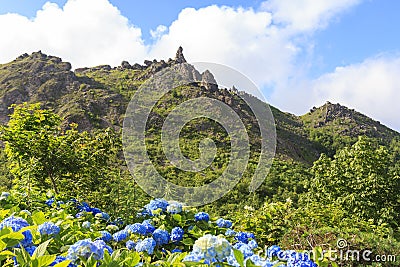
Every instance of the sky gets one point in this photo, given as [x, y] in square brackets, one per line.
[299, 53]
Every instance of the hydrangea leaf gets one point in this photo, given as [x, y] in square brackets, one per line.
[38, 217]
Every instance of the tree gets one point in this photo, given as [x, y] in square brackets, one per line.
[360, 179]
[42, 154]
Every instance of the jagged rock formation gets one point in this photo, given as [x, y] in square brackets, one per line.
[179, 58]
[208, 81]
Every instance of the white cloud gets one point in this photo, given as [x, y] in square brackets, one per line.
[241, 38]
[84, 32]
[371, 87]
[306, 15]
[161, 29]
[264, 44]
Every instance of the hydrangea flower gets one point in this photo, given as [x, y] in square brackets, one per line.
[86, 224]
[86, 248]
[161, 237]
[244, 248]
[149, 227]
[210, 248]
[224, 223]
[48, 228]
[82, 248]
[174, 207]
[202, 216]
[252, 244]
[84, 207]
[136, 228]
[130, 244]
[146, 245]
[273, 251]
[16, 224]
[177, 234]
[244, 237]
[230, 232]
[156, 204]
[121, 235]
[30, 249]
[95, 211]
[105, 236]
[101, 247]
[49, 202]
[176, 250]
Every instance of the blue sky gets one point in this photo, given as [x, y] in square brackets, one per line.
[300, 53]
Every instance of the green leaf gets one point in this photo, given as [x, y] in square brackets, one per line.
[6, 254]
[177, 217]
[239, 257]
[41, 249]
[188, 241]
[43, 261]
[12, 239]
[38, 217]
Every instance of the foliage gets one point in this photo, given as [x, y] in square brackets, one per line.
[359, 180]
[75, 236]
[43, 155]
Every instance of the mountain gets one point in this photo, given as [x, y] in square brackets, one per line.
[97, 97]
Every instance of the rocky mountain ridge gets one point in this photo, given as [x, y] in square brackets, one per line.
[97, 97]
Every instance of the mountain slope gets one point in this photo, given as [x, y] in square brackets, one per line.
[97, 97]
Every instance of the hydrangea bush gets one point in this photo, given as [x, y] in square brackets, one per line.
[70, 234]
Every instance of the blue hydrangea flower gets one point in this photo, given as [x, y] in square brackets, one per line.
[84, 207]
[130, 244]
[95, 211]
[30, 249]
[224, 223]
[230, 232]
[146, 245]
[79, 215]
[161, 237]
[121, 235]
[48, 228]
[136, 228]
[149, 227]
[156, 204]
[252, 244]
[101, 247]
[16, 224]
[82, 248]
[202, 216]
[174, 207]
[175, 250]
[105, 236]
[273, 251]
[49, 202]
[177, 234]
[86, 224]
[244, 248]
